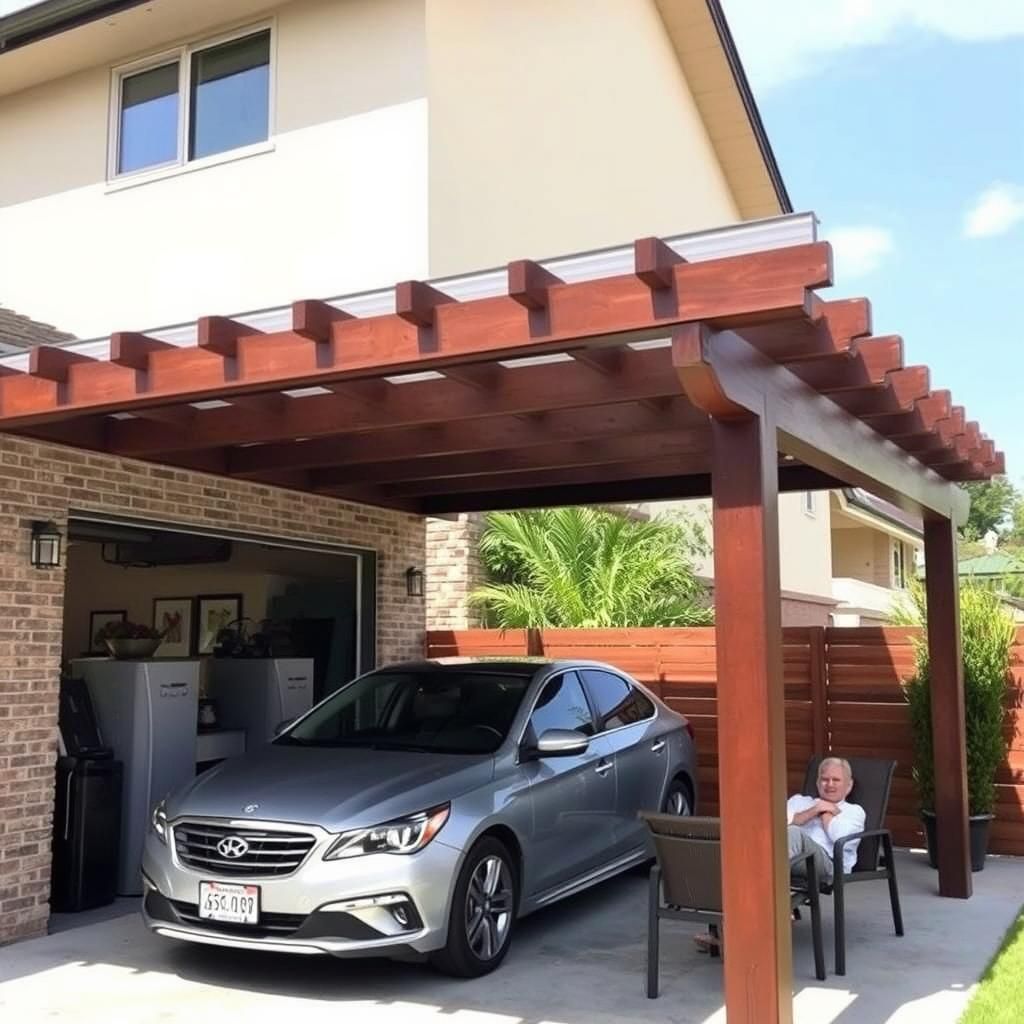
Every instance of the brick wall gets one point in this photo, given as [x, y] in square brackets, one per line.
[454, 570]
[39, 481]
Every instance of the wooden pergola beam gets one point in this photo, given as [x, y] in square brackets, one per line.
[495, 434]
[812, 428]
[233, 359]
[793, 478]
[442, 469]
[529, 389]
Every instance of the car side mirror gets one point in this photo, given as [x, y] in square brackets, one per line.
[562, 743]
[282, 725]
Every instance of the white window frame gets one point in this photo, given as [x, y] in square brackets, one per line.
[898, 564]
[183, 55]
[809, 504]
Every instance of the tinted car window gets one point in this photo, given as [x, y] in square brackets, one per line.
[562, 705]
[617, 703]
[450, 712]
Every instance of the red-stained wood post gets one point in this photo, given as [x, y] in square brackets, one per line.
[948, 721]
[751, 722]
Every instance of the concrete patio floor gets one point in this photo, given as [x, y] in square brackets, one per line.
[581, 962]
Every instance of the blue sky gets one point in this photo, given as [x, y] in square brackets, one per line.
[901, 124]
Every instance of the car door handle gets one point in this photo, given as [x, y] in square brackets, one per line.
[603, 767]
[655, 747]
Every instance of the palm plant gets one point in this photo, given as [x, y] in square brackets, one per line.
[589, 567]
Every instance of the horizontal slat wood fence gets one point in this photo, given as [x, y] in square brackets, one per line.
[842, 689]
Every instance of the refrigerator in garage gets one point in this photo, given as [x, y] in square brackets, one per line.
[147, 713]
[258, 694]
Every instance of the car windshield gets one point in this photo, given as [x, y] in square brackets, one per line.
[441, 712]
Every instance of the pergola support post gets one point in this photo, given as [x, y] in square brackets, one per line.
[751, 721]
[947, 702]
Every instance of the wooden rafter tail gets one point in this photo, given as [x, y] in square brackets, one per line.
[53, 363]
[312, 319]
[698, 376]
[132, 349]
[221, 334]
[865, 365]
[417, 301]
[952, 425]
[909, 384]
[826, 334]
[653, 261]
[529, 282]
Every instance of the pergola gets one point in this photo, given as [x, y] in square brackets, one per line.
[662, 370]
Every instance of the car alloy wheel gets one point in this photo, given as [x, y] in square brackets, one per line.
[677, 801]
[483, 912]
[489, 907]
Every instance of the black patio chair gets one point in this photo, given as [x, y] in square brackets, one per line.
[872, 781]
[686, 885]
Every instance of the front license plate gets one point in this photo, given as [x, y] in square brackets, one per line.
[236, 904]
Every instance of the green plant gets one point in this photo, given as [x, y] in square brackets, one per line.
[590, 567]
[127, 631]
[986, 637]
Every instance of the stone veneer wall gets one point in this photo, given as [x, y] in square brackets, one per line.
[454, 570]
[42, 481]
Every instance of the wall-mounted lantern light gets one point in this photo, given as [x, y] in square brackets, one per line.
[414, 581]
[46, 539]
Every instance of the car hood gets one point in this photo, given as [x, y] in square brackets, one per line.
[334, 788]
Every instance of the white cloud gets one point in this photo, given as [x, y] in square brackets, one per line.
[859, 250]
[783, 40]
[995, 211]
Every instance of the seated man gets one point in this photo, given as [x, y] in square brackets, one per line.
[816, 824]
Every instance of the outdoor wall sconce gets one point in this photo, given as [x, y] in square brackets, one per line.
[414, 581]
[46, 538]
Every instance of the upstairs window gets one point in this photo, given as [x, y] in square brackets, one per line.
[196, 102]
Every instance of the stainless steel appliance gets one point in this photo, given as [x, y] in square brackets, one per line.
[257, 694]
[147, 713]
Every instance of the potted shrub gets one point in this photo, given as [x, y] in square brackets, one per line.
[129, 639]
[987, 634]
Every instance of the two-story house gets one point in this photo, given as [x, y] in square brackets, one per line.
[171, 159]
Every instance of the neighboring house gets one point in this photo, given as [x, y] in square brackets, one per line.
[845, 555]
[1005, 572]
[876, 548]
[168, 159]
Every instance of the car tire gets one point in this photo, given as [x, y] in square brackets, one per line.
[483, 912]
[678, 800]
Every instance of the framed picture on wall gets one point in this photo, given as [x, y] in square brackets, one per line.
[214, 613]
[173, 617]
[99, 619]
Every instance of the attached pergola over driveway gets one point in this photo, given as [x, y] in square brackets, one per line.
[673, 368]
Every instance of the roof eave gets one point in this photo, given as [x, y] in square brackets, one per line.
[52, 17]
[749, 104]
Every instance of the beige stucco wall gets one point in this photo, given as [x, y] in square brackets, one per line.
[337, 202]
[853, 553]
[560, 126]
[805, 558]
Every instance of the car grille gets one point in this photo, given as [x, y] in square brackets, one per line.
[270, 852]
[270, 924]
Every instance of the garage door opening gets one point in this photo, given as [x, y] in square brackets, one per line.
[252, 632]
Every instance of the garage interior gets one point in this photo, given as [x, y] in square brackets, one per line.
[254, 633]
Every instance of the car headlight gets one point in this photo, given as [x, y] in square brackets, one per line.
[158, 821]
[403, 835]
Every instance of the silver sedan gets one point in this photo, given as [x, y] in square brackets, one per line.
[419, 811]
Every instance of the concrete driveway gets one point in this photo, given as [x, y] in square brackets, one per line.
[581, 962]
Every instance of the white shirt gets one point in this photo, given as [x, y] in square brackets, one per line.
[850, 819]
